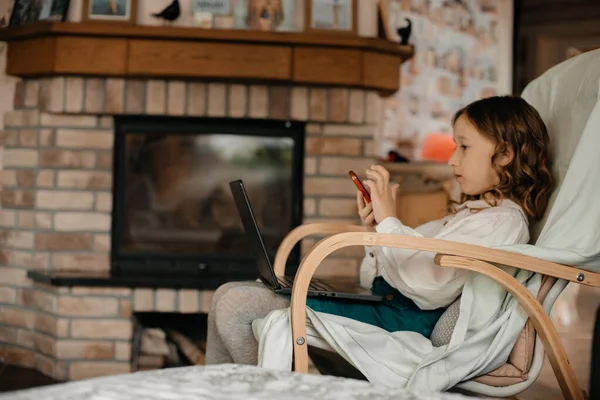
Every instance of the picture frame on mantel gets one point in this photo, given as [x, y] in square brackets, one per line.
[110, 11]
[27, 11]
[265, 15]
[333, 16]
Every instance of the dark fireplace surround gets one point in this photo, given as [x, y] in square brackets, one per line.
[191, 228]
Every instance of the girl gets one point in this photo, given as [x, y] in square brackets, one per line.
[501, 165]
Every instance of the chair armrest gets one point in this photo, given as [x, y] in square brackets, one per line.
[302, 231]
[447, 247]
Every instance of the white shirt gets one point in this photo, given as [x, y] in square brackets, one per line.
[415, 274]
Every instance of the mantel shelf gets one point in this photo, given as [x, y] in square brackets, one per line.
[111, 50]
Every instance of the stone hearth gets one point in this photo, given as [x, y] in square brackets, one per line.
[57, 200]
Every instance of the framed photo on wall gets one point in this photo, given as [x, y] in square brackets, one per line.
[119, 11]
[338, 16]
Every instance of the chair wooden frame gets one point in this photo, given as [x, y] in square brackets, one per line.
[448, 254]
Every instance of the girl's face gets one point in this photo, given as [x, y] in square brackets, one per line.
[471, 161]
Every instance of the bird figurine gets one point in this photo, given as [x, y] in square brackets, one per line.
[404, 32]
[394, 156]
[170, 13]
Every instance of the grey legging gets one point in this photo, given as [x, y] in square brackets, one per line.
[234, 306]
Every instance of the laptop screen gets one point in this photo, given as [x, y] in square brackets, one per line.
[242, 203]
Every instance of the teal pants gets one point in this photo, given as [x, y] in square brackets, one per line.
[396, 313]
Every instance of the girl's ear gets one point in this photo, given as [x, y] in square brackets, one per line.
[506, 158]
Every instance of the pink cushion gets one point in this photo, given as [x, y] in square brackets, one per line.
[517, 367]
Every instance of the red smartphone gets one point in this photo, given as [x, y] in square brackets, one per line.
[360, 186]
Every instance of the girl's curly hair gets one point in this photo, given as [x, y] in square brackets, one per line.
[513, 123]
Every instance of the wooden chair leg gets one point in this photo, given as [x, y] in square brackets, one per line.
[541, 321]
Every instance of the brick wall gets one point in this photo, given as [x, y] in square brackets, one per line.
[56, 201]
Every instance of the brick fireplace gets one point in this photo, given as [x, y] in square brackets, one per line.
[61, 310]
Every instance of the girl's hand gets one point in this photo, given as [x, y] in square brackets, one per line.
[365, 211]
[383, 195]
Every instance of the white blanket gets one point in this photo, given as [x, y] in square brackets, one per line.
[221, 382]
[490, 319]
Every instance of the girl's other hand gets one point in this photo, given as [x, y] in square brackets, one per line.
[383, 195]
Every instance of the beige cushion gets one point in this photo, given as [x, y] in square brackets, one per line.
[565, 96]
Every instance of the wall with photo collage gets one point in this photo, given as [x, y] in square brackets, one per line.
[455, 63]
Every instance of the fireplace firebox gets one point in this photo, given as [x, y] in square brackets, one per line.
[173, 212]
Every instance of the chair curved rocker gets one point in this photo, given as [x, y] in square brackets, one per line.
[567, 96]
[449, 254]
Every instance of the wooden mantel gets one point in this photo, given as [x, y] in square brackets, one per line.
[95, 49]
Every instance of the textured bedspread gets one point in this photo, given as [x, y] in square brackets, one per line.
[230, 382]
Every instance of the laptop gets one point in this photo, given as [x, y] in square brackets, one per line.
[330, 288]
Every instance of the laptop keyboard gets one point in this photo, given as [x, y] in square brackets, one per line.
[315, 284]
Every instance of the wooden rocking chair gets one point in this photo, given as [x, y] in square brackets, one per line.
[577, 81]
